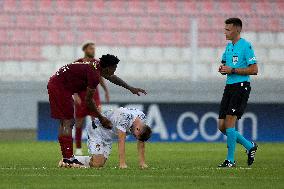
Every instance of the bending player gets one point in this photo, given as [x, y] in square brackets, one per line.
[81, 109]
[125, 121]
[81, 75]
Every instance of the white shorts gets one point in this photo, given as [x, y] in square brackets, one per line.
[97, 145]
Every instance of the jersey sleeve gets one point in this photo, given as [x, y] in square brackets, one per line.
[249, 55]
[223, 61]
[93, 77]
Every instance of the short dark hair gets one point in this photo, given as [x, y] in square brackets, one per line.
[145, 133]
[235, 21]
[86, 45]
[108, 60]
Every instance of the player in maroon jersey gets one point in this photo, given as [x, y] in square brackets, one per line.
[81, 75]
[81, 109]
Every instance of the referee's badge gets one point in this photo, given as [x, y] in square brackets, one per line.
[235, 60]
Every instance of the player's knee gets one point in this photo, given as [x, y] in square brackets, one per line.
[97, 162]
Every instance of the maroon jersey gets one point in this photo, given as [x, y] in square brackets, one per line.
[77, 76]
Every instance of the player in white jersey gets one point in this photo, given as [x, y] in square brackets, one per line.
[125, 121]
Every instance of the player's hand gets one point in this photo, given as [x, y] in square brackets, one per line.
[122, 166]
[137, 91]
[107, 97]
[106, 123]
[143, 165]
[225, 69]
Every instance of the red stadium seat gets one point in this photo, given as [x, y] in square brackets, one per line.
[24, 21]
[53, 37]
[10, 5]
[136, 7]
[207, 7]
[81, 6]
[41, 21]
[98, 6]
[245, 7]
[170, 7]
[35, 37]
[225, 7]
[147, 22]
[182, 22]
[28, 6]
[120, 38]
[46, 6]
[117, 6]
[166, 23]
[4, 39]
[188, 7]
[153, 6]
[64, 6]
[128, 22]
[142, 39]
[7, 20]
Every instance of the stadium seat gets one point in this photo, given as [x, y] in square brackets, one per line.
[266, 39]
[172, 54]
[81, 7]
[182, 23]
[136, 53]
[28, 6]
[24, 21]
[117, 6]
[49, 52]
[188, 7]
[170, 7]
[64, 6]
[261, 55]
[207, 7]
[153, 6]
[46, 6]
[10, 5]
[6, 21]
[136, 7]
[153, 53]
[41, 21]
[280, 39]
[66, 53]
[276, 55]
[250, 36]
[206, 55]
[99, 6]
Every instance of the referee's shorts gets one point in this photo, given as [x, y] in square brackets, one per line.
[235, 98]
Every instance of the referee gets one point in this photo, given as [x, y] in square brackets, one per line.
[238, 63]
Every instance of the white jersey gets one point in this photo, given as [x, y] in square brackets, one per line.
[122, 119]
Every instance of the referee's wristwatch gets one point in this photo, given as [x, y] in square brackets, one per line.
[233, 71]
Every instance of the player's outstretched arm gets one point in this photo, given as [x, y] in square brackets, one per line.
[121, 149]
[118, 81]
[141, 154]
[93, 108]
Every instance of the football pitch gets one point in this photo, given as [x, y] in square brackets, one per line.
[29, 164]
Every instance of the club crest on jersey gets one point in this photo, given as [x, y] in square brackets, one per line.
[235, 60]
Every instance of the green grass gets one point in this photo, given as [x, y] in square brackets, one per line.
[26, 164]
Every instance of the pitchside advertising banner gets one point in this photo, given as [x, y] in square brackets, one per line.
[186, 122]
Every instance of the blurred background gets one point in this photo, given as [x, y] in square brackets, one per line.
[170, 48]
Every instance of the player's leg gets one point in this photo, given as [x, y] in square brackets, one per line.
[79, 121]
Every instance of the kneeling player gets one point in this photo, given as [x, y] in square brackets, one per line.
[125, 121]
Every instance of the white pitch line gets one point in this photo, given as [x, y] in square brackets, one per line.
[151, 168]
[144, 176]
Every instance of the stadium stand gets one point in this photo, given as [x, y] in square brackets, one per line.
[148, 32]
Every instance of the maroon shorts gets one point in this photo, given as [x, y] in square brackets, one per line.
[81, 110]
[61, 101]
